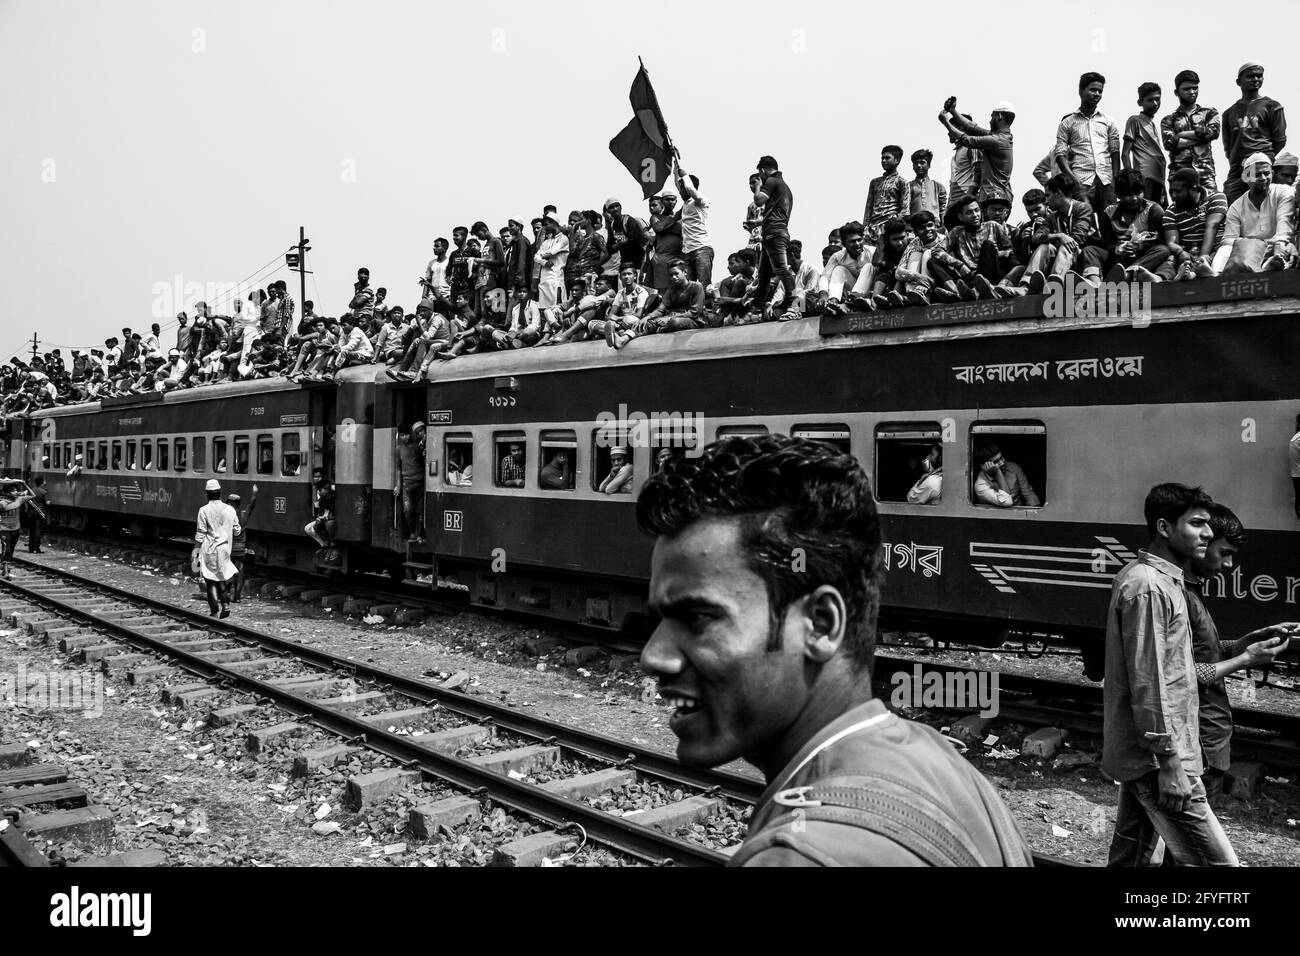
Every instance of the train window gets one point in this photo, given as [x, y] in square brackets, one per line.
[901, 450]
[510, 459]
[79, 452]
[102, 457]
[458, 450]
[116, 462]
[265, 454]
[558, 460]
[741, 431]
[218, 455]
[671, 441]
[610, 474]
[834, 435]
[241, 454]
[1008, 464]
[182, 455]
[56, 456]
[290, 454]
[163, 454]
[67, 454]
[131, 461]
[146, 456]
[199, 456]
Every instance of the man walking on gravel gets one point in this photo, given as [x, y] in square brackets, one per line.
[1150, 730]
[218, 524]
[12, 496]
[765, 581]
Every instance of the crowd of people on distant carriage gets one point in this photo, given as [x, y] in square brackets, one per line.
[1141, 203]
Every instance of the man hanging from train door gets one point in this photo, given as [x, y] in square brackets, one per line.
[765, 578]
[239, 543]
[408, 482]
[1150, 730]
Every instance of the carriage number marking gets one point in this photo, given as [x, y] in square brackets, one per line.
[281, 506]
[502, 401]
[451, 520]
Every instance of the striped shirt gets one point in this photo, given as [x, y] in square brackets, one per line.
[1190, 223]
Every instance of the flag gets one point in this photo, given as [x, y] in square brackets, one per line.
[643, 146]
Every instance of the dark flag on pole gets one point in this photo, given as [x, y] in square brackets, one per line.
[643, 146]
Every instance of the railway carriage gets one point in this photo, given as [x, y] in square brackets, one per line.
[145, 460]
[1201, 389]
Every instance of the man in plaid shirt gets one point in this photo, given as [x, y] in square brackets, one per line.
[1189, 131]
[512, 467]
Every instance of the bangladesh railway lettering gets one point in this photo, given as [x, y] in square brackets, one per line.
[1060, 369]
[926, 558]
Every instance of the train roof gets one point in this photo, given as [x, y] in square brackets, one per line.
[1221, 297]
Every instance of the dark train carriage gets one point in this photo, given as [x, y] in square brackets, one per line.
[1203, 390]
[145, 460]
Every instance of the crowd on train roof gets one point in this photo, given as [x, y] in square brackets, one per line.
[1143, 203]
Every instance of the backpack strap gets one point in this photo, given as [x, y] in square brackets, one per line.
[878, 803]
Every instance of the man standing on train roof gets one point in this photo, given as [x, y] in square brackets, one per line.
[217, 526]
[1150, 727]
[1254, 124]
[765, 580]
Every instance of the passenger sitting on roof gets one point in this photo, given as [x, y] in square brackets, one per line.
[929, 487]
[619, 479]
[1258, 231]
[928, 271]
[1000, 482]
[429, 334]
[1130, 244]
[984, 249]
[631, 302]
[807, 280]
[475, 336]
[682, 306]
[1057, 241]
[585, 313]
[729, 297]
[885, 290]
[844, 271]
[1191, 225]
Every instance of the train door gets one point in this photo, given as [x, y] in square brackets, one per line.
[405, 493]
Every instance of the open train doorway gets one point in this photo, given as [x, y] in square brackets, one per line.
[408, 455]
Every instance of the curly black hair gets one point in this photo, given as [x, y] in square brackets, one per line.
[807, 518]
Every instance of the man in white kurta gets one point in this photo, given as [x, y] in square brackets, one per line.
[217, 526]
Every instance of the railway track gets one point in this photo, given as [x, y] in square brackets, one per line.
[280, 689]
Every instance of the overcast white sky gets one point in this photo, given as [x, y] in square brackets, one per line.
[198, 154]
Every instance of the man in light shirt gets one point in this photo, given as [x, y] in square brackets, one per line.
[845, 271]
[929, 487]
[434, 283]
[1088, 144]
[697, 245]
[1000, 482]
[1264, 213]
[552, 254]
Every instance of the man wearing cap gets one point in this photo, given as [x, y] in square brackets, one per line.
[218, 525]
[552, 255]
[619, 479]
[1285, 168]
[239, 541]
[995, 147]
[1253, 124]
[1265, 214]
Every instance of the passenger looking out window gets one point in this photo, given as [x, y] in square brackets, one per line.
[1000, 482]
[929, 487]
[619, 479]
[512, 467]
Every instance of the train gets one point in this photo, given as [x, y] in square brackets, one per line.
[1097, 399]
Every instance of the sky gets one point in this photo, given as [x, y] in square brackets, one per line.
[157, 148]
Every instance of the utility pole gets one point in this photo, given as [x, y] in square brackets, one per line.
[33, 348]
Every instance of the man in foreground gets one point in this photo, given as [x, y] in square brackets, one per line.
[765, 581]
